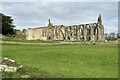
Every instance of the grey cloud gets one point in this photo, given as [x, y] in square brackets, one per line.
[34, 14]
[60, 0]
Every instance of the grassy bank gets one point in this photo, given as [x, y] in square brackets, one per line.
[27, 41]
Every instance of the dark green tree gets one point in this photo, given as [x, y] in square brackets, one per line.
[23, 30]
[6, 25]
[118, 35]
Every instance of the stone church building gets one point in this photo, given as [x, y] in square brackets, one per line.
[83, 32]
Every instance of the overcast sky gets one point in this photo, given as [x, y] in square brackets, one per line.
[36, 14]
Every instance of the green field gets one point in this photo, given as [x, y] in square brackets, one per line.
[27, 41]
[64, 61]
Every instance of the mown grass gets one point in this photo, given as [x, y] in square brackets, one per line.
[65, 61]
[28, 41]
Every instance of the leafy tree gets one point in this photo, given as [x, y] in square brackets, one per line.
[106, 36]
[6, 25]
[118, 35]
[111, 36]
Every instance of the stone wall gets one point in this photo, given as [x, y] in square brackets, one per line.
[61, 43]
[20, 35]
[36, 34]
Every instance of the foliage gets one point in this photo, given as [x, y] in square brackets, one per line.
[24, 30]
[7, 26]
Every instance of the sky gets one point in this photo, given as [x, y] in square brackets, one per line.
[36, 14]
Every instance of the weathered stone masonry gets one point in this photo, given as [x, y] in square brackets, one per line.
[84, 32]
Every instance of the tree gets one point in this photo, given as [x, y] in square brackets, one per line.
[111, 36]
[118, 35]
[6, 25]
[106, 36]
[23, 30]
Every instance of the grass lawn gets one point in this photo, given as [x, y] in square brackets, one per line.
[65, 61]
[27, 41]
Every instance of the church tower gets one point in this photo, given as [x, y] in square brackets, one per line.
[100, 29]
[99, 19]
[50, 24]
[49, 20]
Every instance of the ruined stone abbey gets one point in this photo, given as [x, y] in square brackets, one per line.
[83, 32]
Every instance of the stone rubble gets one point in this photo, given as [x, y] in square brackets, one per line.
[8, 65]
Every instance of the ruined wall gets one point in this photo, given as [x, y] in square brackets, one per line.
[84, 32]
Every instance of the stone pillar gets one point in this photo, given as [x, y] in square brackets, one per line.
[78, 33]
[82, 32]
[72, 33]
[99, 33]
[103, 33]
[95, 31]
[85, 32]
[59, 33]
[75, 32]
[91, 31]
[88, 32]
[52, 38]
[66, 32]
[56, 33]
[62, 32]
